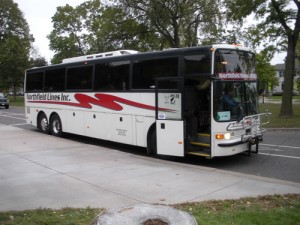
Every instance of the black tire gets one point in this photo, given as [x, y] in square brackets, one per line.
[7, 106]
[43, 124]
[56, 126]
[153, 145]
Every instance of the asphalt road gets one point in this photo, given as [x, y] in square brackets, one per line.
[279, 154]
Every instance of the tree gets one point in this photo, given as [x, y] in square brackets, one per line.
[278, 23]
[179, 23]
[298, 67]
[36, 60]
[265, 71]
[67, 38]
[93, 28]
[14, 45]
[114, 29]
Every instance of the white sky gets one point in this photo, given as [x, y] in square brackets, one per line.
[38, 14]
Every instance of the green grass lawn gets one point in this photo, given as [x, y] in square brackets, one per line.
[276, 121]
[275, 210]
[278, 98]
[19, 101]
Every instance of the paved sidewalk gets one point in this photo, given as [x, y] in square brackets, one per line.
[38, 170]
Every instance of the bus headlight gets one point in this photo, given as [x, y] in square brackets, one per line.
[226, 136]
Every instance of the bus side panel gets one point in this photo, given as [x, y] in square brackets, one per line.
[31, 115]
[140, 131]
[96, 125]
[130, 125]
[122, 128]
[142, 125]
[75, 122]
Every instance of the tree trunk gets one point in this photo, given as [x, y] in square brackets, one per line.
[287, 95]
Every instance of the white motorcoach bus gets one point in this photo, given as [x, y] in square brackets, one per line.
[171, 102]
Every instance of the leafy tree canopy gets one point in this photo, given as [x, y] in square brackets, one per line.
[92, 27]
[178, 23]
[265, 71]
[14, 44]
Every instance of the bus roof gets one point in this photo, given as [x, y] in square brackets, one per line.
[99, 55]
[135, 55]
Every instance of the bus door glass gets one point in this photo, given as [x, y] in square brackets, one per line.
[169, 122]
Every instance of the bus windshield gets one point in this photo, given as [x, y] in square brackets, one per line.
[234, 100]
[235, 93]
[234, 61]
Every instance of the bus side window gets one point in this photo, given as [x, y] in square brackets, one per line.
[55, 80]
[113, 76]
[146, 71]
[199, 64]
[35, 81]
[79, 78]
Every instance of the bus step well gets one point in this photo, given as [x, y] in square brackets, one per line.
[199, 154]
[202, 140]
[200, 146]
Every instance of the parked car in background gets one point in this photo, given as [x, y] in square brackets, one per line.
[4, 101]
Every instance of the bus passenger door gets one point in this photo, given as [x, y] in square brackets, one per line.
[169, 122]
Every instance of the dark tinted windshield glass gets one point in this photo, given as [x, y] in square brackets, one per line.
[234, 61]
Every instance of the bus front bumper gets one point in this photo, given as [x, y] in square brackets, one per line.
[246, 138]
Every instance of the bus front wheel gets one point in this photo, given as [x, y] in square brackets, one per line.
[55, 126]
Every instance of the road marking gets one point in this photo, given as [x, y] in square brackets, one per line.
[271, 149]
[18, 124]
[13, 117]
[285, 156]
[7, 113]
[281, 146]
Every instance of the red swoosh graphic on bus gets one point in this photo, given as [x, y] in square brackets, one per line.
[103, 100]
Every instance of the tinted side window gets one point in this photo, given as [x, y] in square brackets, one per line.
[197, 64]
[145, 72]
[55, 80]
[113, 76]
[34, 81]
[79, 78]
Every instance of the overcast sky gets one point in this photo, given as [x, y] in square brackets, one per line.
[38, 14]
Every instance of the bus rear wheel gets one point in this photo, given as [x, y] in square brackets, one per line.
[43, 124]
[55, 126]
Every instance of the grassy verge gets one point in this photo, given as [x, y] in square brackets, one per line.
[277, 209]
[276, 121]
[263, 210]
[18, 102]
[279, 98]
[66, 216]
